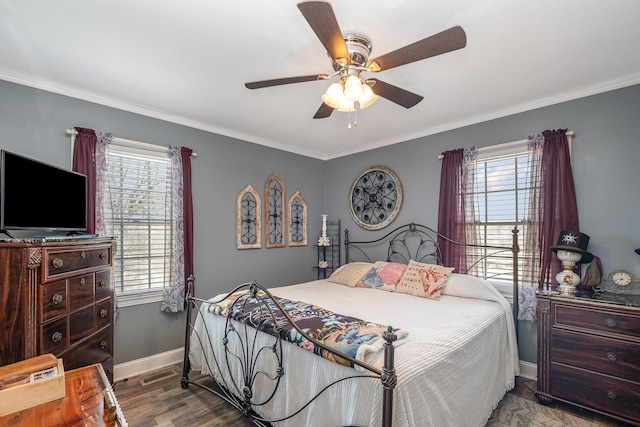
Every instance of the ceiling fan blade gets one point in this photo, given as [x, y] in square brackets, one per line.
[323, 112]
[284, 81]
[320, 16]
[446, 41]
[395, 94]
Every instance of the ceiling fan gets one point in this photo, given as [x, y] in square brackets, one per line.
[350, 57]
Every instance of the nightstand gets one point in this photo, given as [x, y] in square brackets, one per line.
[589, 352]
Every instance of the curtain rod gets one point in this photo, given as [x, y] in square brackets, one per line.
[134, 144]
[508, 144]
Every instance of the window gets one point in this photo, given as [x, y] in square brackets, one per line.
[140, 187]
[499, 202]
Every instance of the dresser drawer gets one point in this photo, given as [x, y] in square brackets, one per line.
[608, 321]
[61, 261]
[601, 354]
[94, 349]
[54, 337]
[81, 323]
[600, 392]
[54, 299]
[104, 311]
[104, 287]
[81, 290]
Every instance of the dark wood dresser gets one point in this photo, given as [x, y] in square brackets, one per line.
[589, 352]
[56, 296]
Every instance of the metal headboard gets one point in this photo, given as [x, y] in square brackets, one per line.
[420, 243]
[407, 242]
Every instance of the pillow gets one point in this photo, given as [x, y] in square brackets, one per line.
[424, 280]
[350, 274]
[383, 275]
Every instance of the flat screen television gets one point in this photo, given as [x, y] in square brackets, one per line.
[38, 196]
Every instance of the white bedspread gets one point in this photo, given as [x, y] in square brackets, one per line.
[459, 360]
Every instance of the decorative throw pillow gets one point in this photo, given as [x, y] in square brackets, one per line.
[350, 274]
[383, 275]
[424, 280]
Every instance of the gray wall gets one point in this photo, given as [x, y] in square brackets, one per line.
[606, 154]
[605, 163]
[33, 123]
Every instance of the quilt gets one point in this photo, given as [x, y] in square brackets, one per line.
[348, 335]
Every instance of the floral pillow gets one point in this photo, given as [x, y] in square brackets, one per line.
[350, 274]
[383, 275]
[424, 280]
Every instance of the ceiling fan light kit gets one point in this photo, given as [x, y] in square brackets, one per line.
[350, 57]
[344, 94]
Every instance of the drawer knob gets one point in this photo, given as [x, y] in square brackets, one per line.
[103, 255]
[611, 357]
[57, 263]
[611, 394]
[104, 313]
[610, 323]
[83, 255]
[56, 337]
[82, 281]
[104, 344]
[103, 284]
[57, 299]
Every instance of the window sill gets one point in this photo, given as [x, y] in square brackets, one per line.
[139, 298]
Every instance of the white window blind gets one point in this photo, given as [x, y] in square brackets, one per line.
[501, 202]
[141, 198]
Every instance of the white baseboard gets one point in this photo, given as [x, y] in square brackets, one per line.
[138, 367]
[528, 370]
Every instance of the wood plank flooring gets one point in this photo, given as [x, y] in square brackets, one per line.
[165, 403]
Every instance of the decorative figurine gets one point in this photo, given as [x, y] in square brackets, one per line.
[571, 249]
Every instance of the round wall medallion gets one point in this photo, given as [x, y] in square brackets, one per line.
[375, 197]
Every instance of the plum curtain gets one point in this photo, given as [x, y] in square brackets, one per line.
[84, 162]
[552, 205]
[182, 229]
[456, 207]
[90, 158]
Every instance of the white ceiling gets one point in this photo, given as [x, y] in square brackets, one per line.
[186, 61]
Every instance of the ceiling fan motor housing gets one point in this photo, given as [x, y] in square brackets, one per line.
[359, 48]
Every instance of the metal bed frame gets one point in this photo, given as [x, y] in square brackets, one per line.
[410, 241]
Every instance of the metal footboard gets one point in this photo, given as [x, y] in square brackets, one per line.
[243, 354]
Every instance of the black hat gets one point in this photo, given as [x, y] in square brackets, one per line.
[574, 241]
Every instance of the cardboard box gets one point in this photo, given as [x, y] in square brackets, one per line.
[17, 392]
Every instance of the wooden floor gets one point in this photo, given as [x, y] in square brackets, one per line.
[165, 403]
